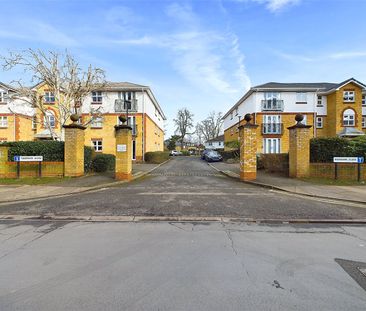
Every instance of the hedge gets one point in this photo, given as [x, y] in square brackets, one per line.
[322, 150]
[156, 157]
[103, 162]
[52, 151]
[229, 154]
[88, 157]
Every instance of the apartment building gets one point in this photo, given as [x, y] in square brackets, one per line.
[333, 109]
[100, 110]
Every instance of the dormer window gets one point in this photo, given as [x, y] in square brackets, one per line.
[97, 97]
[349, 96]
[49, 97]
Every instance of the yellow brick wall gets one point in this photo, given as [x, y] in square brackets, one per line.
[19, 128]
[336, 106]
[154, 136]
[287, 119]
[299, 152]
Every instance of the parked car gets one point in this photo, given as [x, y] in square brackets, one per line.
[175, 153]
[204, 153]
[213, 156]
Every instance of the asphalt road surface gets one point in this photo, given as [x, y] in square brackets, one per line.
[180, 266]
[187, 186]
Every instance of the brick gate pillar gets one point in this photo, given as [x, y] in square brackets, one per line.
[248, 149]
[123, 169]
[299, 149]
[74, 148]
[4, 169]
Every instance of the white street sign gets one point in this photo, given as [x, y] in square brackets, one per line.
[121, 148]
[28, 158]
[348, 159]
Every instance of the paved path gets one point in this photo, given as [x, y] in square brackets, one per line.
[179, 266]
[352, 193]
[187, 186]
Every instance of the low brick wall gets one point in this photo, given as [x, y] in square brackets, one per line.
[346, 171]
[30, 169]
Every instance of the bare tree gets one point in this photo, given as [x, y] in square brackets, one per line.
[64, 77]
[211, 126]
[183, 123]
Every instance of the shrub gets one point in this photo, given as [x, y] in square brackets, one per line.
[156, 157]
[103, 162]
[325, 148]
[52, 151]
[88, 157]
[185, 153]
[234, 144]
[229, 154]
[274, 162]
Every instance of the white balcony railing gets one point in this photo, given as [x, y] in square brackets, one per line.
[272, 105]
[272, 128]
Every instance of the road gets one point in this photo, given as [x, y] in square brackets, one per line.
[187, 186]
[179, 266]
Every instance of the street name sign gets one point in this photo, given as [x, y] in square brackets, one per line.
[348, 159]
[28, 158]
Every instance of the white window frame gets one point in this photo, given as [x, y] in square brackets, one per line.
[3, 96]
[271, 145]
[349, 96]
[97, 97]
[49, 97]
[34, 122]
[97, 144]
[319, 101]
[3, 121]
[349, 117]
[231, 115]
[51, 119]
[301, 97]
[363, 100]
[272, 124]
[319, 122]
[97, 122]
[363, 122]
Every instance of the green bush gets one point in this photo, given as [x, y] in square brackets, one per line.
[156, 157]
[52, 151]
[323, 150]
[103, 162]
[234, 144]
[88, 157]
[185, 153]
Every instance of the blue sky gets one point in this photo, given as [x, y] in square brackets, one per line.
[199, 54]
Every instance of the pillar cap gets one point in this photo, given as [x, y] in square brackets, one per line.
[74, 126]
[298, 118]
[122, 126]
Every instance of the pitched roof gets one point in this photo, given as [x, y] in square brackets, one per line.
[124, 85]
[7, 86]
[297, 86]
[218, 138]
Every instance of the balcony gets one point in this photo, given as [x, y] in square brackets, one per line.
[272, 128]
[120, 105]
[272, 105]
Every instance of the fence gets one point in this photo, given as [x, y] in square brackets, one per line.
[345, 171]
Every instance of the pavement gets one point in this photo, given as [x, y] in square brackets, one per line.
[66, 265]
[11, 193]
[187, 188]
[352, 193]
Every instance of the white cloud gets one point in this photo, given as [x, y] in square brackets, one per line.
[347, 55]
[208, 59]
[274, 5]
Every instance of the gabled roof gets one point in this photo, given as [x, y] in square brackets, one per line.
[340, 85]
[123, 85]
[7, 87]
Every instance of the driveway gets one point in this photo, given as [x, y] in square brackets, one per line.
[187, 186]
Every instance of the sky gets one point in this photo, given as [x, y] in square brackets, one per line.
[199, 54]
